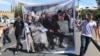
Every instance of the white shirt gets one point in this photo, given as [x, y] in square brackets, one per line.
[72, 23]
[71, 19]
[33, 14]
[87, 27]
[27, 28]
[6, 23]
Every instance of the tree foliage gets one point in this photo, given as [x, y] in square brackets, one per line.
[83, 14]
[96, 13]
[18, 10]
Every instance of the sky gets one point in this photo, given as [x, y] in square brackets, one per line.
[86, 3]
[5, 5]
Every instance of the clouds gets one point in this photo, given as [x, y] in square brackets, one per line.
[5, 2]
[38, 2]
[28, 3]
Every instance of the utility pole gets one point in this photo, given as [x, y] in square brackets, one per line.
[78, 9]
[14, 7]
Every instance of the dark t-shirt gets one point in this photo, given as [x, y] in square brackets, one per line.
[42, 21]
[18, 27]
[51, 24]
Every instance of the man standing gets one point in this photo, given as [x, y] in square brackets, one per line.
[6, 23]
[53, 30]
[71, 20]
[18, 25]
[87, 26]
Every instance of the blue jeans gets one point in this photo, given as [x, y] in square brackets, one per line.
[84, 44]
[6, 37]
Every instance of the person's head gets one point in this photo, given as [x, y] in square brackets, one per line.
[69, 11]
[59, 11]
[49, 14]
[29, 13]
[5, 17]
[61, 17]
[36, 19]
[89, 16]
[43, 15]
[28, 18]
[18, 17]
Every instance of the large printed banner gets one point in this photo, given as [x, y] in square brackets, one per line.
[54, 36]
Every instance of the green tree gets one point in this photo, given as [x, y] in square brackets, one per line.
[18, 9]
[97, 14]
[83, 14]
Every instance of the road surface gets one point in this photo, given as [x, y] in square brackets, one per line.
[8, 49]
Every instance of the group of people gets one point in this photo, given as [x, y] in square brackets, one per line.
[39, 30]
[4, 29]
[42, 30]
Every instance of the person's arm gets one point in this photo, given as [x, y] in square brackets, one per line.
[79, 25]
[41, 25]
[27, 29]
[46, 25]
[58, 27]
[97, 35]
[96, 32]
[22, 24]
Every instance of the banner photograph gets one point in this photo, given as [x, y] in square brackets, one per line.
[49, 27]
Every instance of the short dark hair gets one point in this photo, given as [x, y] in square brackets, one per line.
[4, 16]
[18, 15]
[89, 14]
[60, 14]
[59, 11]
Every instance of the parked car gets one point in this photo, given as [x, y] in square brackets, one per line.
[12, 21]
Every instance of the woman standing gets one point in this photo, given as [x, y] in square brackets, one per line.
[28, 32]
[39, 36]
